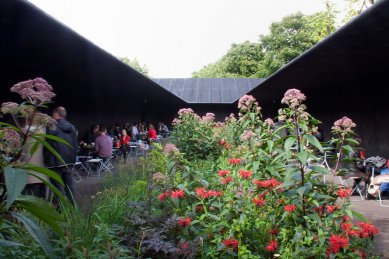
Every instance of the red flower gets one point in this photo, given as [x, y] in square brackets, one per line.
[221, 142]
[259, 201]
[234, 161]
[203, 193]
[267, 184]
[272, 246]
[336, 243]
[344, 193]
[178, 194]
[184, 222]
[231, 243]
[290, 208]
[226, 180]
[223, 173]
[346, 226]
[245, 174]
[331, 208]
[319, 210]
[274, 231]
[163, 196]
[367, 230]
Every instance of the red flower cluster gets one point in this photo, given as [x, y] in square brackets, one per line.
[336, 243]
[331, 208]
[231, 243]
[184, 222]
[344, 193]
[259, 201]
[367, 230]
[234, 161]
[183, 248]
[226, 180]
[178, 194]
[272, 246]
[199, 207]
[319, 210]
[163, 196]
[245, 174]
[267, 184]
[223, 173]
[290, 208]
[203, 193]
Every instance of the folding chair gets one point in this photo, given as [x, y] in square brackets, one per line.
[77, 167]
[356, 184]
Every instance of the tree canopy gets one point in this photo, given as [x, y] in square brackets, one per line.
[287, 39]
[135, 64]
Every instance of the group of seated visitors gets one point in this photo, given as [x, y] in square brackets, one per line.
[104, 140]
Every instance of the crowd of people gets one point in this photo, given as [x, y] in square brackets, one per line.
[119, 136]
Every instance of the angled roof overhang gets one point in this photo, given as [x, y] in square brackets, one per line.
[208, 90]
[85, 78]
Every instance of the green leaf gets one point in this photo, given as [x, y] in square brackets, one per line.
[301, 190]
[53, 189]
[319, 169]
[289, 143]
[302, 157]
[42, 211]
[313, 141]
[6, 243]
[359, 216]
[45, 171]
[35, 232]
[50, 148]
[15, 181]
[7, 125]
[34, 148]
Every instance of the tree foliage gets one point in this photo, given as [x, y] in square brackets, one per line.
[135, 64]
[287, 39]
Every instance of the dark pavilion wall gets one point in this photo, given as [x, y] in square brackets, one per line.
[344, 75]
[93, 85]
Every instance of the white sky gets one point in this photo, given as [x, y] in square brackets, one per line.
[172, 37]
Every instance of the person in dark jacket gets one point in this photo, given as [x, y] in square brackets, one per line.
[64, 130]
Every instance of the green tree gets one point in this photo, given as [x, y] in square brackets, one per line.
[134, 63]
[288, 39]
[356, 7]
[241, 60]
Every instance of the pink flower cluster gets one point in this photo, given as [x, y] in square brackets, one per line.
[246, 101]
[176, 121]
[185, 111]
[247, 135]
[344, 124]
[209, 117]
[9, 107]
[36, 91]
[230, 118]
[293, 98]
[269, 122]
[43, 120]
[170, 148]
[10, 140]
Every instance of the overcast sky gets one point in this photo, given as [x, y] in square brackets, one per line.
[172, 37]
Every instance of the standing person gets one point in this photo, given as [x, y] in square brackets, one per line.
[66, 131]
[104, 144]
[125, 143]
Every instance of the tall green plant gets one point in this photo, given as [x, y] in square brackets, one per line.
[18, 143]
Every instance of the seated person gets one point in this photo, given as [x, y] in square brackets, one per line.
[163, 129]
[104, 144]
[90, 136]
[152, 133]
[124, 142]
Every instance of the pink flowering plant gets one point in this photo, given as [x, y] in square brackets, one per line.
[264, 194]
[19, 140]
[195, 135]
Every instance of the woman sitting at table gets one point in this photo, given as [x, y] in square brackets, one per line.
[124, 142]
[152, 134]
